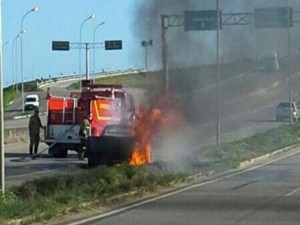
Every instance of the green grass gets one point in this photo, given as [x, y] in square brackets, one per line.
[135, 80]
[229, 155]
[45, 198]
[9, 95]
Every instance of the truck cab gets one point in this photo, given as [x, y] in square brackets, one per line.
[111, 112]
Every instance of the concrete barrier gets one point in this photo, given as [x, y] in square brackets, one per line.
[17, 135]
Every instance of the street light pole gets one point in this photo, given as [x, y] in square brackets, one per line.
[218, 139]
[94, 50]
[145, 44]
[35, 9]
[93, 16]
[15, 54]
[87, 54]
[164, 27]
[2, 159]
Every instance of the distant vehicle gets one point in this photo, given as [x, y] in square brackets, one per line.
[271, 63]
[283, 111]
[31, 101]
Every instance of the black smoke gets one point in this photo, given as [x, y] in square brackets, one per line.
[193, 48]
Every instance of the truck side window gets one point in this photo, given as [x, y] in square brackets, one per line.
[129, 104]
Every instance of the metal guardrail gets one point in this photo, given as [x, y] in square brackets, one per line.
[72, 77]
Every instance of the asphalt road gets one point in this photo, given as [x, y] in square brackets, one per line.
[261, 196]
[20, 167]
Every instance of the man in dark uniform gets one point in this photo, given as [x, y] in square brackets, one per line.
[84, 132]
[34, 131]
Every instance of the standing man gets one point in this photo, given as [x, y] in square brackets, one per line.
[34, 131]
[84, 132]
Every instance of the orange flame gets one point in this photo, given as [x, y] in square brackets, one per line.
[146, 125]
[149, 123]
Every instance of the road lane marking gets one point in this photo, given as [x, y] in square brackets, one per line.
[244, 185]
[147, 201]
[293, 192]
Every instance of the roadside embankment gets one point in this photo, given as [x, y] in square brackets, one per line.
[17, 135]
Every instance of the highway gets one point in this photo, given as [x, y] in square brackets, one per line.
[267, 194]
[243, 112]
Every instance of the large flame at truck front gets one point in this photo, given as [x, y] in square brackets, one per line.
[150, 122]
[147, 124]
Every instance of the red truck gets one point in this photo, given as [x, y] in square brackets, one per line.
[111, 111]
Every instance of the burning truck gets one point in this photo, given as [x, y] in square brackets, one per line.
[111, 111]
[118, 132]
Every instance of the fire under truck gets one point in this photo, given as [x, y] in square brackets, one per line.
[111, 112]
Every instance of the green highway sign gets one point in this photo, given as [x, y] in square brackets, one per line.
[60, 45]
[280, 17]
[201, 20]
[113, 45]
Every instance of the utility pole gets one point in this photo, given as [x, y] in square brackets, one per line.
[288, 61]
[2, 156]
[164, 27]
[87, 61]
[218, 75]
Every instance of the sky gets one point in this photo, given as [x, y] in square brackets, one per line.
[60, 20]
[130, 21]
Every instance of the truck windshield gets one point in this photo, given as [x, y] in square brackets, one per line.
[31, 99]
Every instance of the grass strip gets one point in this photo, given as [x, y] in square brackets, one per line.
[229, 155]
[58, 195]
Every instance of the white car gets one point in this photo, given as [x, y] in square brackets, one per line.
[283, 111]
[31, 101]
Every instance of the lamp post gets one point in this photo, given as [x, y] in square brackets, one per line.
[35, 9]
[93, 16]
[15, 54]
[94, 40]
[146, 44]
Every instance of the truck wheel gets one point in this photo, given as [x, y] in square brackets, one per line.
[57, 152]
[92, 162]
[95, 160]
